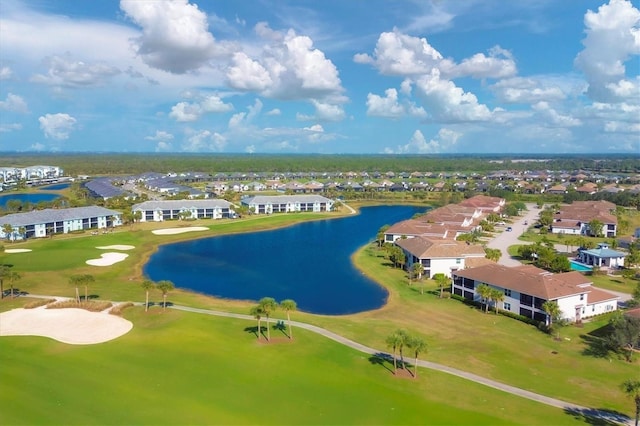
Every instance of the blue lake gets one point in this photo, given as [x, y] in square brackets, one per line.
[309, 263]
[55, 187]
[34, 198]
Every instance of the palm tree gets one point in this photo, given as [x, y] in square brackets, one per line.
[393, 341]
[147, 285]
[442, 281]
[257, 313]
[418, 346]
[497, 296]
[416, 270]
[76, 281]
[552, 310]
[13, 276]
[4, 271]
[268, 305]
[22, 231]
[484, 291]
[165, 287]
[7, 228]
[403, 340]
[289, 305]
[632, 389]
[86, 279]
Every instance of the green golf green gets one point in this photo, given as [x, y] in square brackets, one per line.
[183, 368]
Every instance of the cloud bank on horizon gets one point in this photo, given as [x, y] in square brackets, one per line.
[407, 77]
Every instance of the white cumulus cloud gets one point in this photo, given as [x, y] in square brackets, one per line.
[5, 73]
[160, 136]
[418, 144]
[186, 111]
[612, 38]
[14, 103]
[175, 34]
[63, 71]
[288, 67]
[57, 126]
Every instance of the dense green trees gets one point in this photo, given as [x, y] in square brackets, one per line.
[625, 335]
[632, 389]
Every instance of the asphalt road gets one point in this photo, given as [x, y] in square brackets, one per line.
[503, 240]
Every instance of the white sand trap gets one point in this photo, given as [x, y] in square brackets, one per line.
[17, 250]
[69, 325]
[108, 259]
[171, 231]
[116, 247]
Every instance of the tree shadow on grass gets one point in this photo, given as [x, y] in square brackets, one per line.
[280, 326]
[254, 330]
[595, 346]
[598, 417]
[382, 359]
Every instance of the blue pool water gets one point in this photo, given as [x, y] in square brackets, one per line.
[576, 266]
[26, 198]
[309, 263]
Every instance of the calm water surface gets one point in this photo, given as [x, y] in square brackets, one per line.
[55, 187]
[308, 262]
[34, 198]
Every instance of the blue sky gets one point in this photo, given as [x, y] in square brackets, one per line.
[331, 76]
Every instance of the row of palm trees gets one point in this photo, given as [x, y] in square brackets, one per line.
[165, 286]
[398, 341]
[265, 308]
[490, 294]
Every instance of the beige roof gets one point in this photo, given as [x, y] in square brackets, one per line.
[585, 211]
[533, 281]
[428, 248]
[415, 227]
[482, 201]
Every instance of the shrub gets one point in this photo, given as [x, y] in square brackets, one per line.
[87, 305]
[38, 303]
[119, 308]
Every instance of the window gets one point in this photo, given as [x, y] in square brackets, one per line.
[507, 306]
[593, 308]
[458, 261]
[507, 292]
[582, 296]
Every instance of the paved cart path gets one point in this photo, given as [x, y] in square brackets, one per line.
[578, 409]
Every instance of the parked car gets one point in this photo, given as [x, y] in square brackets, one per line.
[509, 229]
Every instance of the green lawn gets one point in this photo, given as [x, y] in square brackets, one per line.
[492, 346]
[184, 368]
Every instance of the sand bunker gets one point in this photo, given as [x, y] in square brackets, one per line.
[73, 326]
[171, 231]
[116, 247]
[17, 250]
[107, 259]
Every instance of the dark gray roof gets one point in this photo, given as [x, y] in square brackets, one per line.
[103, 187]
[55, 215]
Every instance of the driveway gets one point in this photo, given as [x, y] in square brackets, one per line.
[505, 239]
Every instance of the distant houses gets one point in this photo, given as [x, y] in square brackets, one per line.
[43, 223]
[575, 218]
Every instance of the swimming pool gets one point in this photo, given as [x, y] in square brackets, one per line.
[581, 267]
